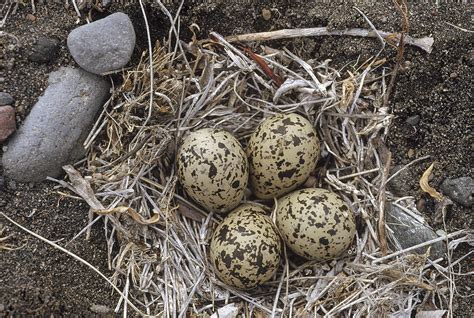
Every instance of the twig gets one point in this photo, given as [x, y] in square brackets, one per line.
[422, 43]
[409, 249]
[459, 28]
[402, 8]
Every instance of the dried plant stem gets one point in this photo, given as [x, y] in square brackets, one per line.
[422, 43]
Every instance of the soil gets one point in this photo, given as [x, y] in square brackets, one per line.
[36, 279]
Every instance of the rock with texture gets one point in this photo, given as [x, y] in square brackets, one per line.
[54, 131]
[45, 50]
[399, 184]
[6, 99]
[406, 231]
[104, 45]
[460, 190]
[7, 122]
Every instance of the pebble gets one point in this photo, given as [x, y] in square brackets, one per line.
[53, 133]
[104, 45]
[7, 122]
[31, 17]
[100, 309]
[413, 120]
[6, 99]
[44, 50]
[460, 190]
[266, 14]
[410, 232]
[399, 184]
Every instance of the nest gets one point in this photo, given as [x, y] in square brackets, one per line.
[158, 238]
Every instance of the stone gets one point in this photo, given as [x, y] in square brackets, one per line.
[399, 184]
[104, 45]
[266, 14]
[44, 50]
[413, 120]
[6, 99]
[53, 133]
[460, 190]
[100, 309]
[406, 231]
[7, 122]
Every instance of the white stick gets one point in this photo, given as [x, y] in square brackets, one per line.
[423, 43]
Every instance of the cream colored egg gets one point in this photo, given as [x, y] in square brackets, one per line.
[315, 223]
[282, 152]
[245, 248]
[213, 169]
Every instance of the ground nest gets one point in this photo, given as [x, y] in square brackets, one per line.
[158, 238]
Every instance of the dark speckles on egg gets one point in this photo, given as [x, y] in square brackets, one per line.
[245, 248]
[282, 152]
[213, 169]
[315, 223]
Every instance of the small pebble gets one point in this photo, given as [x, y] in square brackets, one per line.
[45, 50]
[11, 185]
[100, 309]
[399, 184]
[266, 14]
[460, 190]
[411, 153]
[413, 120]
[421, 205]
[6, 99]
[31, 17]
[7, 122]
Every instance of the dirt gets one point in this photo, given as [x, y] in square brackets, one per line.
[36, 279]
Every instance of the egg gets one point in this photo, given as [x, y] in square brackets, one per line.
[213, 169]
[315, 223]
[282, 152]
[245, 248]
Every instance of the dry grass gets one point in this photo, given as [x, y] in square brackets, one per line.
[162, 264]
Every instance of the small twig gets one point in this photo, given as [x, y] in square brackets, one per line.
[422, 43]
[411, 248]
[459, 28]
[402, 8]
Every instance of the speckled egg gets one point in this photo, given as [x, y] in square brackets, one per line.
[282, 153]
[245, 248]
[213, 169]
[315, 223]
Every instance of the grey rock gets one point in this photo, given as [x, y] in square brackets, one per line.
[413, 120]
[45, 50]
[7, 122]
[460, 190]
[54, 131]
[6, 99]
[104, 45]
[399, 185]
[406, 231]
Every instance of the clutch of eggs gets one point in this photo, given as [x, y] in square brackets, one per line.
[315, 223]
[282, 152]
[245, 248]
[213, 169]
